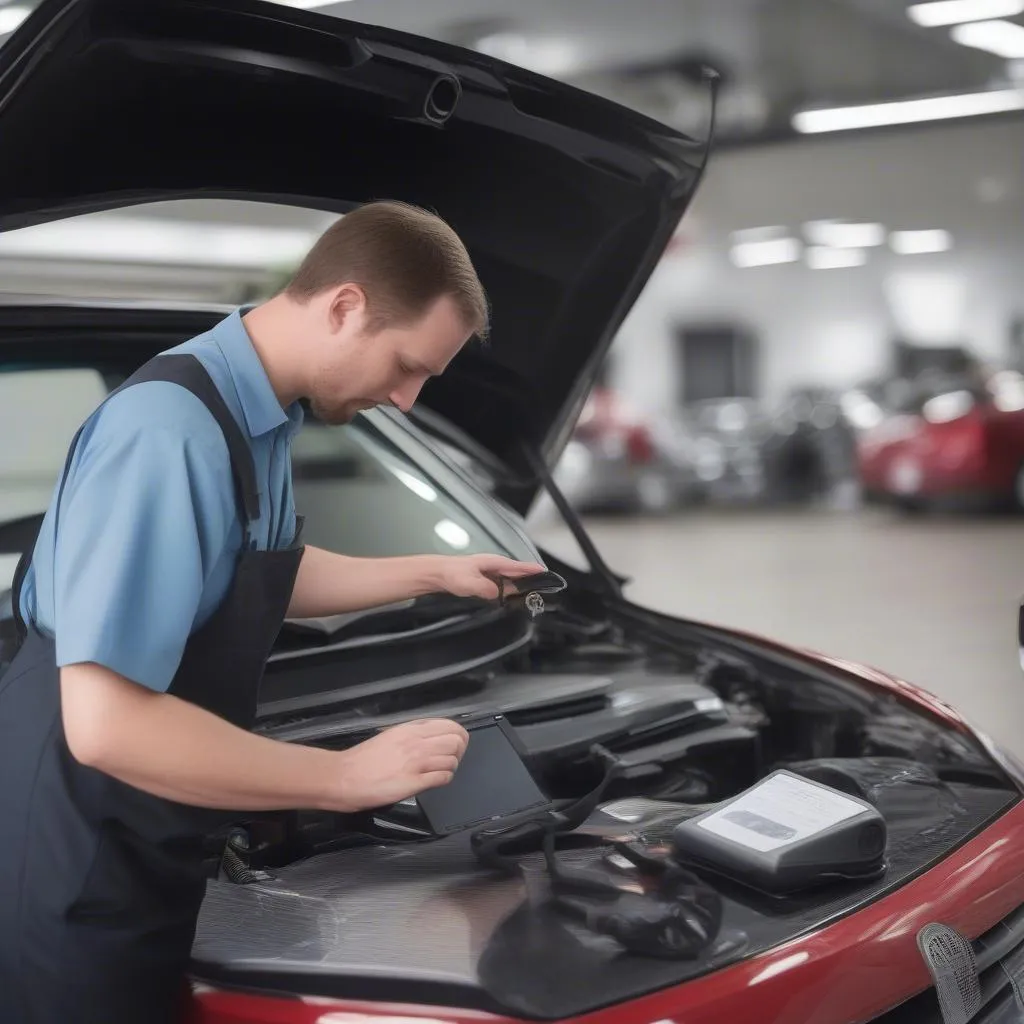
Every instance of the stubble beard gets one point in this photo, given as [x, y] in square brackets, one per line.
[334, 414]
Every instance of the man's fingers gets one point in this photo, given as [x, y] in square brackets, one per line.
[439, 763]
[428, 727]
[440, 736]
[510, 567]
[433, 780]
[519, 569]
[440, 746]
[453, 745]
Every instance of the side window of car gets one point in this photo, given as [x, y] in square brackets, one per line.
[40, 410]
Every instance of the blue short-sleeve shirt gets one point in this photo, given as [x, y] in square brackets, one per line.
[149, 530]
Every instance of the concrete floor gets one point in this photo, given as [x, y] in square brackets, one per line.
[933, 601]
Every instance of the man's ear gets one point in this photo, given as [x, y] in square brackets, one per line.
[346, 301]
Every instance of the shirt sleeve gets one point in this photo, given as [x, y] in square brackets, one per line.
[142, 521]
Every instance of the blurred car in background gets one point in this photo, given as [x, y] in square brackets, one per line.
[950, 441]
[620, 461]
[811, 455]
[728, 438]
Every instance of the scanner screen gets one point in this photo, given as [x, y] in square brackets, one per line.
[491, 782]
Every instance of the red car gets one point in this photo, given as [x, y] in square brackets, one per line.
[566, 203]
[952, 443]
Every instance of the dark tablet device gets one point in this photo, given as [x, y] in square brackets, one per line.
[492, 781]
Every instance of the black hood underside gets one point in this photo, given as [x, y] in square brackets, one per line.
[565, 201]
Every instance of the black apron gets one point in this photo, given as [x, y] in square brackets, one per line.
[101, 883]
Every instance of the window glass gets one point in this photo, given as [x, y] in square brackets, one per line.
[372, 488]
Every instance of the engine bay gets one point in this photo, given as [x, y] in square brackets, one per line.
[697, 720]
[693, 718]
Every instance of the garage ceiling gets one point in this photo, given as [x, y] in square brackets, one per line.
[776, 57]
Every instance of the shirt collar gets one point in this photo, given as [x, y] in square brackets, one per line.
[260, 407]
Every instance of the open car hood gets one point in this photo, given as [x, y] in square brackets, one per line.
[565, 201]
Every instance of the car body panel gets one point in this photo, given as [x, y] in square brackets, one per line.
[977, 456]
[466, 934]
[565, 201]
[851, 971]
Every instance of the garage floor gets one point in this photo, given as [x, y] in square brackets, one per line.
[933, 601]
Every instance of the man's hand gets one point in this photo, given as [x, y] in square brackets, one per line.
[476, 575]
[329, 584]
[398, 763]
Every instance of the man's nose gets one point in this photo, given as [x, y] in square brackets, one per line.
[405, 396]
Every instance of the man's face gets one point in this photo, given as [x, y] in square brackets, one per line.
[389, 366]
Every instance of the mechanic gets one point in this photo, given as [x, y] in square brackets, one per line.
[165, 566]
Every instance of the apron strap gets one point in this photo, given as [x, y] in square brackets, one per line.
[188, 372]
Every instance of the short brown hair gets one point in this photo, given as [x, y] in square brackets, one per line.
[404, 258]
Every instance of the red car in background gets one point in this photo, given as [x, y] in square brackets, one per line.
[952, 442]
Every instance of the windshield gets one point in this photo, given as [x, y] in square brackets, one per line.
[378, 487]
[374, 488]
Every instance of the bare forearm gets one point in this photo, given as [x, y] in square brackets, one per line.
[331, 584]
[178, 751]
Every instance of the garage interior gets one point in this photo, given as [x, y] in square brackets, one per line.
[848, 275]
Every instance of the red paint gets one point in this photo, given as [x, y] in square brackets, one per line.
[979, 454]
[849, 972]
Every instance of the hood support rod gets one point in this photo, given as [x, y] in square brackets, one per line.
[598, 566]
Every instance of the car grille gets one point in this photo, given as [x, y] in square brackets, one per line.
[1000, 958]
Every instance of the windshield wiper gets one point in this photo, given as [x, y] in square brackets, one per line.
[379, 634]
[428, 613]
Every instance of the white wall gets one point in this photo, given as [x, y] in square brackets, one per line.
[834, 326]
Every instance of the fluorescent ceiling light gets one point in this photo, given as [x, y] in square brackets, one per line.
[909, 243]
[12, 17]
[763, 254]
[124, 239]
[838, 235]
[954, 12]
[821, 257]
[543, 56]
[1003, 38]
[935, 108]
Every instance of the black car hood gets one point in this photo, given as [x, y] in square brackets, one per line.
[566, 201]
